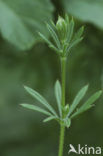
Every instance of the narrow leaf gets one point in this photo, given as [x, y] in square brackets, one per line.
[54, 48]
[79, 33]
[58, 96]
[65, 110]
[44, 38]
[48, 42]
[67, 122]
[70, 30]
[77, 38]
[49, 118]
[77, 99]
[74, 43]
[88, 104]
[53, 24]
[36, 108]
[54, 36]
[40, 98]
[79, 111]
[67, 19]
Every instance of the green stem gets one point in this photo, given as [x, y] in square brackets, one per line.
[62, 128]
[61, 141]
[63, 75]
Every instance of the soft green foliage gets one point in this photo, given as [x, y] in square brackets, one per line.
[58, 96]
[19, 25]
[86, 10]
[88, 104]
[67, 112]
[64, 40]
[63, 36]
[20, 128]
[40, 98]
[77, 99]
[67, 122]
[49, 118]
[36, 108]
[54, 36]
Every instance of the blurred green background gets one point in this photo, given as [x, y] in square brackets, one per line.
[24, 60]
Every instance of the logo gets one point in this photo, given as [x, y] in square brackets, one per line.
[84, 150]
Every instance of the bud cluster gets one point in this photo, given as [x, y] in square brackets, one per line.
[63, 36]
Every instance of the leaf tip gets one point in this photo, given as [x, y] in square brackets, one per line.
[57, 82]
[38, 33]
[22, 104]
[100, 92]
[25, 87]
[87, 86]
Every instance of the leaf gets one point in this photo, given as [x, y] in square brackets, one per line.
[48, 42]
[86, 10]
[67, 19]
[74, 43]
[58, 96]
[88, 104]
[40, 98]
[67, 122]
[79, 33]
[45, 39]
[77, 99]
[49, 118]
[54, 36]
[36, 108]
[19, 25]
[70, 30]
[54, 48]
[65, 110]
[53, 24]
[79, 111]
[77, 38]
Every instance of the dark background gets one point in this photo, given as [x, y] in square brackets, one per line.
[22, 132]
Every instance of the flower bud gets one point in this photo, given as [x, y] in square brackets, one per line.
[66, 108]
[61, 28]
[60, 23]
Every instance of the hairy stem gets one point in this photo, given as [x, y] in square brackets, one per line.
[62, 128]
